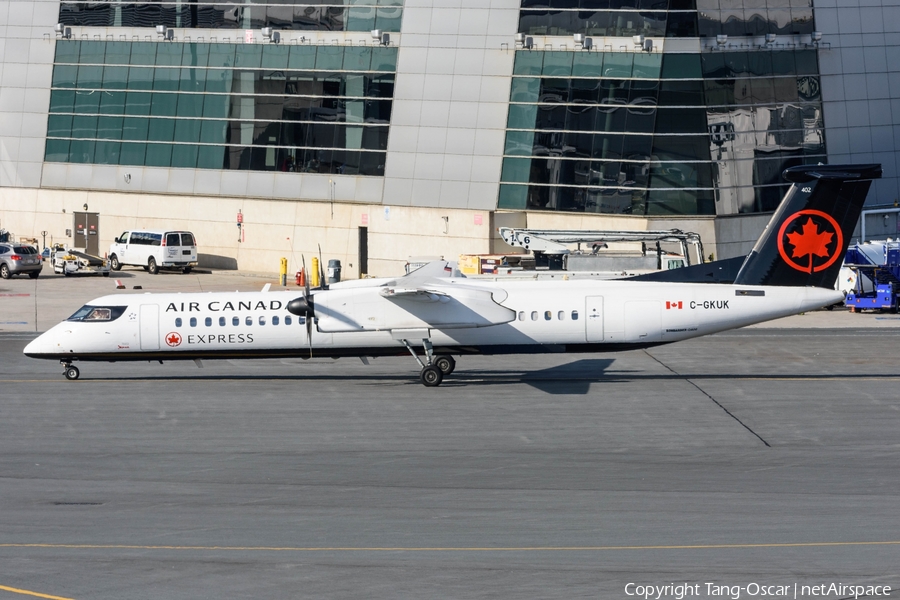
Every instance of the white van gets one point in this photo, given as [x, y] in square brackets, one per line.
[154, 250]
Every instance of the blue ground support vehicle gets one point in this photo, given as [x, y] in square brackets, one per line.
[877, 268]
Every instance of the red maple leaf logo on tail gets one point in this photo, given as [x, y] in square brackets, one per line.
[810, 243]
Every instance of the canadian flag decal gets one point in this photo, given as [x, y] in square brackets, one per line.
[671, 305]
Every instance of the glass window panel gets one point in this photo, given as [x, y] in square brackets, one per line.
[713, 64]
[137, 103]
[118, 53]
[115, 78]
[806, 62]
[112, 103]
[93, 53]
[166, 80]
[211, 157]
[516, 170]
[190, 105]
[587, 64]
[185, 155]
[62, 100]
[215, 106]
[158, 155]
[135, 129]
[192, 80]
[140, 78]
[519, 143]
[143, 53]
[168, 54]
[528, 62]
[57, 151]
[218, 81]
[525, 89]
[106, 153]
[195, 55]
[737, 63]
[329, 58]
[681, 66]
[522, 116]
[87, 102]
[558, 64]
[360, 18]
[187, 130]
[67, 51]
[357, 58]
[783, 62]
[109, 128]
[163, 105]
[59, 126]
[132, 154]
[302, 57]
[81, 151]
[617, 64]
[513, 196]
[89, 77]
[647, 66]
[221, 55]
[388, 18]
[275, 56]
[213, 132]
[760, 64]
[64, 76]
[161, 130]
[248, 56]
[372, 163]
[681, 25]
[680, 120]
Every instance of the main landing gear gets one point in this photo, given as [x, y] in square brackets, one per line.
[436, 368]
[70, 371]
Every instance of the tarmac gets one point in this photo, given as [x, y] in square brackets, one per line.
[752, 462]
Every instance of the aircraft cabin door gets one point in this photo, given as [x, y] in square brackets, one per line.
[593, 318]
[149, 327]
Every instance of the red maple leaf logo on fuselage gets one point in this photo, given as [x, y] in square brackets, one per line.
[173, 339]
[810, 242]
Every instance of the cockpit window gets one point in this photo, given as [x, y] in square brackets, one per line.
[98, 313]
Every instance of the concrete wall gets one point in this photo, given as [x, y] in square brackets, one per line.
[271, 229]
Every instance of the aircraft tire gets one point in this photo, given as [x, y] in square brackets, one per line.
[431, 376]
[447, 364]
[72, 373]
[152, 267]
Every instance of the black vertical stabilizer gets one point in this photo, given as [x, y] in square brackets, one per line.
[805, 242]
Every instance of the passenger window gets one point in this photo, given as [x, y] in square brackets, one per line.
[193, 321]
[262, 320]
[221, 321]
[155, 239]
[275, 320]
[187, 239]
[235, 321]
[574, 315]
[521, 315]
[287, 320]
[534, 315]
[172, 239]
[562, 315]
[178, 322]
[249, 320]
[208, 321]
[548, 315]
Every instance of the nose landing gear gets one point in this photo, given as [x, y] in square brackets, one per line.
[71, 372]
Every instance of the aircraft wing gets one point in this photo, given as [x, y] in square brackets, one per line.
[432, 305]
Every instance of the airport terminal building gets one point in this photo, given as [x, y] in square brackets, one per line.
[384, 129]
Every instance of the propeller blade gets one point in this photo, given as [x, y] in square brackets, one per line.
[322, 283]
[309, 323]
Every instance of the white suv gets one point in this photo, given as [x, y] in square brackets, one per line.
[154, 250]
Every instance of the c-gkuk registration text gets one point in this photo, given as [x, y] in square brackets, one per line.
[679, 591]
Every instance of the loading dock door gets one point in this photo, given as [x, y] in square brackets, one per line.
[149, 327]
[593, 318]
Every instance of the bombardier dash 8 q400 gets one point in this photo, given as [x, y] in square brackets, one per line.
[435, 316]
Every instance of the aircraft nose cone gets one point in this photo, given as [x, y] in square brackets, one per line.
[300, 307]
[36, 347]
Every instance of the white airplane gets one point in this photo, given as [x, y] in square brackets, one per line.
[792, 269]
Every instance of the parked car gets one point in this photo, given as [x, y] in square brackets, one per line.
[15, 259]
[154, 250]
